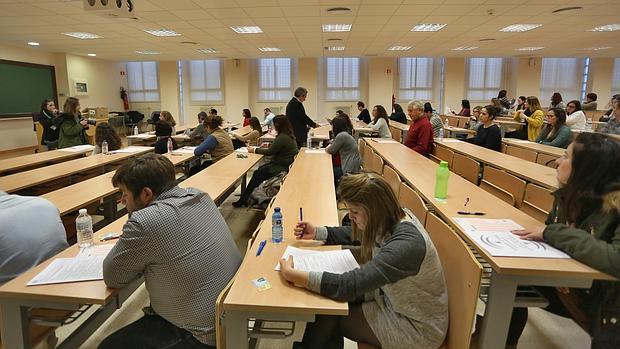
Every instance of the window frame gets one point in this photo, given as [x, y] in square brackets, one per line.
[435, 89]
[206, 90]
[576, 88]
[274, 89]
[615, 78]
[327, 89]
[488, 92]
[144, 91]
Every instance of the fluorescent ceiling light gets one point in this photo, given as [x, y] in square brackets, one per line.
[336, 27]
[247, 30]
[83, 35]
[207, 50]
[92, 55]
[464, 48]
[533, 48]
[606, 28]
[520, 27]
[399, 48]
[597, 48]
[335, 48]
[427, 27]
[33, 43]
[148, 52]
[162, 32]
[269, 49]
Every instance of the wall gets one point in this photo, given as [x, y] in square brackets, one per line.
[527, 76]
[104, 81]
[454, 83]
[601, 80]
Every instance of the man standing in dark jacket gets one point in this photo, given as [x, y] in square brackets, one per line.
[296, 113]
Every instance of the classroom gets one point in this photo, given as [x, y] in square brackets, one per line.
[322, 174]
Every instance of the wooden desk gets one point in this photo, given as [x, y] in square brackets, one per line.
[508, 273]
[22, 180]
[529, 171]
[452, 131]
[150, 136]
[284, 301]
[30, 161]
[539, 148]
[576, 133]
[240, 132]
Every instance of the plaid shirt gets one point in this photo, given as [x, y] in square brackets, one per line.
[612, 126]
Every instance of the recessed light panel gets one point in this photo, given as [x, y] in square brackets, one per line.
[597, 48]
[162, 32]
[399, 48]
[336, 27]
[33, 43]
[533, 48]
[148, 52]
[207, 50]
[92, 55]
[247, 30]
[335, 48]
[427, 27]
[269, 49]
[520, 27]
[464, 48]
[83, 35]
[606, 28]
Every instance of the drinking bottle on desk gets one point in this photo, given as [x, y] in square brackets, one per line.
[441, 180]
[84, 226]
[276, 225]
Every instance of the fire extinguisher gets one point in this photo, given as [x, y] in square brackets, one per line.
[125, 99]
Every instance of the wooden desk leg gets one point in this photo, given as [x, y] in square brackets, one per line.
[129, 141]
[244, 179]
[15, 328]
[236, 325]
[498, 311]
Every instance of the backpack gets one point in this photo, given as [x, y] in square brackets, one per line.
[266, 191]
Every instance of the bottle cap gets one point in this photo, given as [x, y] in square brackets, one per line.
[277, 209]
[82, 211]
[443, 163]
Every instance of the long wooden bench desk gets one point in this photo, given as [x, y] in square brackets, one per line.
[537, 147]
[16, 298]
[150, 136]
[284, 302]
[508, 273]
[527, 170]
[21, 163]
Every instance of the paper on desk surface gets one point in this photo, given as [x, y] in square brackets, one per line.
[242, 150]
[131, 149]
[184, 150]
[383, 140]
[78, 148]
[315, 151]
[496, 237]
[334, 261]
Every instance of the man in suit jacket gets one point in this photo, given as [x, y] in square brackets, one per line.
[296, 113]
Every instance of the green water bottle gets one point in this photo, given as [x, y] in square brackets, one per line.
[441, 180]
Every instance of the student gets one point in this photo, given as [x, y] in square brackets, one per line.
[575, 118]
[420, 134]
[105, 132]
[178, 241]
[247, 115]
[434, 119]
[520, 103]
[534, 122]
[163, 131]
[398, 115]
[251, 138]
[282, 153]
[556, 133]
[30, 232]
[167, 117]
[488, 134]
[584, 224]
[345, 146]
[465, 108]
[380, 122]
[474, 120]
[199, 132]
[556, 101]
[398, 297]
[72, 128]
[218, 144]
[613, 125]
[296, 114]
[503, 100]
[590, 103]
[364, 115]
[47, 118]
[268, 121]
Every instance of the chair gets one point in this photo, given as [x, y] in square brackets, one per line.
[504, 147]
[462, 122]
[396, 134]
[522, 153]
[503, 185]
[410, 199]
[361, 145]
[453, 121]
[376, 163]
[367, 158]
[466, 167]
[538, 202]
[462, 273]
[442, 153]
[546, 160]
[220, 330]
[392, 178]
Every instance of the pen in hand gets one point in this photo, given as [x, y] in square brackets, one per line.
[301, 219]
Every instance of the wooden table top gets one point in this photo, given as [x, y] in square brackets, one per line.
[530, 171]
[509, 123]
[419, 172]
[240, 132]
[21, 180]
[459, 129]
[399, 125]
[39, 159]
[317, 198]
[539, 148]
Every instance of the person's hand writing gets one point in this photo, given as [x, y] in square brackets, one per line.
[251, 149]
[305, 230]
[533, 234]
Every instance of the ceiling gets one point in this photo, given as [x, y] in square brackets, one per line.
[294, 26]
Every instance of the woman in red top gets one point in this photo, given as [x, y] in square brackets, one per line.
[247, 115]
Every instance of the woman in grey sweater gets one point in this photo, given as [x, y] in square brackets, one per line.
[397, 298]
[345, 146]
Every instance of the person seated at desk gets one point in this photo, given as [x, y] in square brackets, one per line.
[398, 297]
[556, 101]
[247, 115]
[503, 101]
[420, 134]
[47, 119]
[380, 123]
[282, 152]
[72, 128]
[105, 132]
[474, 120]
[199, 132]
[163, 131]
[398, 115]
[364, 115]
[251, 138]
[533, 118]
[575, 118]
[268, 121]
[434, 119]
[167, 117]
[590, 103]
[345, 147]
[555, 133]
[613, 125]
[520, 103]
[465, 108]
[584, 224]
[488, 134]
[610, 110]
[178, 241]
[30, 232]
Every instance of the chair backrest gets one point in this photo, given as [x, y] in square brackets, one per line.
[462, 273]
[538, 202]
[466, 167]
[376, 163]
[505, 186]
[392, 177]
[367, 158]
[361, 146]
[546, 160]
[220, 331]
[396, 134]
[410, 199]
[522, 153]
[462, 122]
[453, 121]
[504, 147]
[443, 153]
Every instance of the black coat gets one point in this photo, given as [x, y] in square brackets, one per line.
[50, 127]
[296, 113]
[364, 116]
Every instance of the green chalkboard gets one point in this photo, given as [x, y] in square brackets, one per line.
[23, 86]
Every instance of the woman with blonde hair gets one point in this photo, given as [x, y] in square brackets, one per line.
[167, 117]
[532, 115]
[72, 127]
[397, 298]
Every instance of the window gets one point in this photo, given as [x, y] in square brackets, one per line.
[615, 83]
[275, 79]
[415, 78]
[486, 77]
[563, 75]
[142, 81]
[205, 82]
[342, 77]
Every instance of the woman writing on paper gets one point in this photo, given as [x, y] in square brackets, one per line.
[398, 297]
[250, 138]
[584, 223]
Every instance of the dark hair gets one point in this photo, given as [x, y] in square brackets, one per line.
[246, 113]
[550, 130]
[339, 124]
[152, 171]
[267, 109]
[381, 113]
[360, 104]
[465, 104]
[428, 108]
[202, 115]
[592, 96]
[105, 132]
[167, 116]
[339, 112]
[397, 108]
[213, 111]
[493, 111]
[346, 117]
[213, 121]
[44, 104]
[595, 172]
[70, 106]
[576, 103]
[255, 124]
[523, 98]
[300, 91]
[556, 98]
[163, 129]
[282, 125]
[501, 94]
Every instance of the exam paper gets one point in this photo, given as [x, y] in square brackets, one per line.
[63, 270]
[131, 149]
[383, 140]
[78, 148]
[184, 150]
[336, 261]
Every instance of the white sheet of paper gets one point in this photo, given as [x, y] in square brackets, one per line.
[78, 148]
[96, 250]
[336, 261]
[315, 151]
[242, 150]
[63, 270]
[383, 140]
[184, 150]
[131, 149]
[142, 136]
[494, 235]
[448, 140]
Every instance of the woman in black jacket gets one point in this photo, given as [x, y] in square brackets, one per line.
[48, 119]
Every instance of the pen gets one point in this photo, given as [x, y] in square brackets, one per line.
[109, 237]
[260, 247]
[301, 219]
[471, 213]
[466, 202]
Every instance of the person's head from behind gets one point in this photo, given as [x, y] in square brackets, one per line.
[428, 109]
[415, 110]
[495, 102]
[532, 103]
[142, 179]
[587, 171]
[373, 208]
[556, 118]
[397, 108]
[476, 111]
[301, 93]
[213, 122]
[255, 124]
[465, 104]
[615, 105]
[556, 98]
[212, 111]
[246, 113]
[48, 105]
[489, 113]
[378, 112]
[283, 125]
[105, 132]
[339, 124]
[573, 106]
[71, 106]
[521, 100]
[167, 116]
[360, 105]
[501, 94]
[163, 129]
[591, 97]
[201, 117]
[266, 111]
[339, 112]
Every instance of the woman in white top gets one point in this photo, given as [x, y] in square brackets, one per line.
[380, 122]
[268, 121]
[575, 118]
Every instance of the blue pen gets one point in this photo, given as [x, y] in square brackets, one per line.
[260, 247]
[301, 219]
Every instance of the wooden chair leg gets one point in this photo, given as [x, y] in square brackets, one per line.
[365, 346]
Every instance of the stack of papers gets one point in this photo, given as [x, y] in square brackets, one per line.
[79, 148]
[383, 140]
[335, 261]
[185, 150]
[242, 150]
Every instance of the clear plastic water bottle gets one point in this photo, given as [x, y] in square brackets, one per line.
[84, 225]
[440, 135]
[441, 180]
[104, 147]
[309, 140]
[446, 124]
[276, 226]
[170, 145]
[136, 131]
[588, 124]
